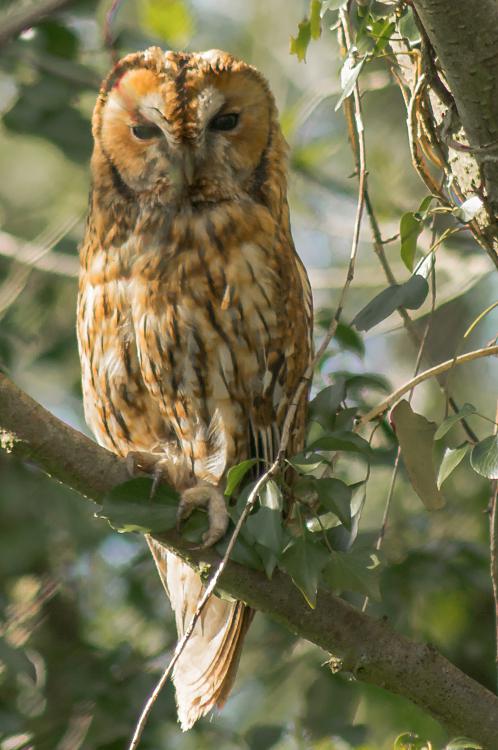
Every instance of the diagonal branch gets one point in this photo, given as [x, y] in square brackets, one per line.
[370, 649]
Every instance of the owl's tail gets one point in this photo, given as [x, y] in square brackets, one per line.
[205, 672]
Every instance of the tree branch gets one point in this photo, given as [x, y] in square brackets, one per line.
[487, 351]
[464, 34]
[369, 649]
[13, 24]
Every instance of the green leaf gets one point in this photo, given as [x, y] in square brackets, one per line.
[349, 75]
[469, 209]
[342, 441]
[410, 741]
[315, 19]
[268, 558]
[411, 295]
[354, 571]
[381, 33]
[304, 561]
[416, 436]
[365, 380]
[484, 457]
[335, 496]
[324, 406]
[129, 507]
[447, 424]
[299, 44]
[236, 474]
[306, 463]
[266, 527]
[243, 552]
[463, 743]
[410, 228]
[452, 457]
[349, 339]
[270, 496]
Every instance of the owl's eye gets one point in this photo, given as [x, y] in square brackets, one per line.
[146, 132]
[224, 122]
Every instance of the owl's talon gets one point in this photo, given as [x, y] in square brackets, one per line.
[205, 496]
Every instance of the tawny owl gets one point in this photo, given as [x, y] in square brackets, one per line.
[194, 310]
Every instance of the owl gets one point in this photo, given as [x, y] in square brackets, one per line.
[194, 310]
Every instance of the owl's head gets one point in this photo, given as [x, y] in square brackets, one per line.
[188, 129]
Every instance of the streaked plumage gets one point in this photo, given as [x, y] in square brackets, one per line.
[194, 311]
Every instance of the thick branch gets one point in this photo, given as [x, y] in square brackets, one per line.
[31, 432]
[368, 648]
[464, 34]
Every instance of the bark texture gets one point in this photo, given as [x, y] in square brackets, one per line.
[464, 34]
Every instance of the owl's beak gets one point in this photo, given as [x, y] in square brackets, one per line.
[188, 167]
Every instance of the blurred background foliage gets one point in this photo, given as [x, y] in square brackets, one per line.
[85, 625]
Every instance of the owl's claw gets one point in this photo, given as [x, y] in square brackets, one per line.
[140, 462]
[205, 496]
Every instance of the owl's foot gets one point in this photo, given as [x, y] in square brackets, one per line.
[154, 464]
[205, 496]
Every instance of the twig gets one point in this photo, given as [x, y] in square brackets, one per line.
[392, 483]
[408, 323]
[285, 437]
[108, 35]
[15, 23]
[488, 351]
[29, 254]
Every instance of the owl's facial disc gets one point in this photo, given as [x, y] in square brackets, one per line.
[186, 129]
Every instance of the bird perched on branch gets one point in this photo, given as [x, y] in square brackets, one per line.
[194, 310]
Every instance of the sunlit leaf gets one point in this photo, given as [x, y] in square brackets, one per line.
[354, 571]
[410, 228]
[335, 496]
[463, 743]
[349, 75]
[410, 741]
[299, 44]
[381, 32]
[170, 20]
[469, 209]
[411, 295]
[236, 474]
[452, 457]
[416, 436]
[484, 457]
[270, 496]
[315, 19]
[447, 424]
[129, 507]
[304, 561]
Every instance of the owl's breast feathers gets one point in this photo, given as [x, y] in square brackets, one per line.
[193, 334]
